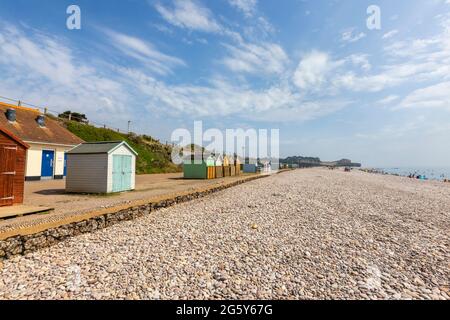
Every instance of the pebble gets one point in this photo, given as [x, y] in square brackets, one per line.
[343, 236]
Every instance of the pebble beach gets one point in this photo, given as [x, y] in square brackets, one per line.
[303, 234]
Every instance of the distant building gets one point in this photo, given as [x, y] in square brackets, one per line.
[48, 140]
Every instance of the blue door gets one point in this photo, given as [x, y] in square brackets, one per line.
[126, 169]
[117, 173]
[65, 164]
[47, 163]
[122, 172]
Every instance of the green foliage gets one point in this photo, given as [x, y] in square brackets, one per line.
[74, 116]
[153, 157]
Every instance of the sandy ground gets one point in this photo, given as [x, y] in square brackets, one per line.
[305, 234]
[51, 193]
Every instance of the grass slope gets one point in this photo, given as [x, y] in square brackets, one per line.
[154, 157]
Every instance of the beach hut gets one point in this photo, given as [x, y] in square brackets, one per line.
[211, 167]
[219, 166]
[13, 153]
[195, 169]
[226, 166]
[101, 167]
[211, 161]
[238, 165]
[199, 169]
[232, 167]
[249, 168]
[219, 161]
[267, 167]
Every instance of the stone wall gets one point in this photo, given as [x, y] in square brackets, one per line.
[19, 245]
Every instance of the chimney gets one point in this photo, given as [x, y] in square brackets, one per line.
[41, 120]
[11, 115]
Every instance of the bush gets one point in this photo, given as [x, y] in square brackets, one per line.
[153, 157]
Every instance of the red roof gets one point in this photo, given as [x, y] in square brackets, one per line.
[27, 129]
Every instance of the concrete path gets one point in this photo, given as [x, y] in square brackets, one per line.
[20, 210]
[51, 193]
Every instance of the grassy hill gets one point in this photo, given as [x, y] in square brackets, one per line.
[154, 157]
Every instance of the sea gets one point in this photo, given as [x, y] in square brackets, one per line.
[431, 173]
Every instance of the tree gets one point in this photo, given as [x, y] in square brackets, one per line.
[74, 116]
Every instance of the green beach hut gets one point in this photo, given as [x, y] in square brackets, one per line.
[194, 170]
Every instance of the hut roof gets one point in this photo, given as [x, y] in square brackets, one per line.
[100, 147]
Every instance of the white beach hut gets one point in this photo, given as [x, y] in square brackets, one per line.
[219, 160]
[101, 167]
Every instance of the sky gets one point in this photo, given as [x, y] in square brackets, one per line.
[312, 69]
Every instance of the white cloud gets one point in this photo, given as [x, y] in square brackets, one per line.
[390, 34]
[202, 40]
[361, 60]
[223, 98]
[388, 100]
[163, 28]
[357, 83]
[413, 48]
[190, 15]
[145, 52]
[258, 28]
[410, 61]
[392, 75]
[435, 96]
[351, 36]
[42, 69]
[313, 70]
[318, 70]
[265, 25]
[266, 58]
[248, 7]
[420, 60]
